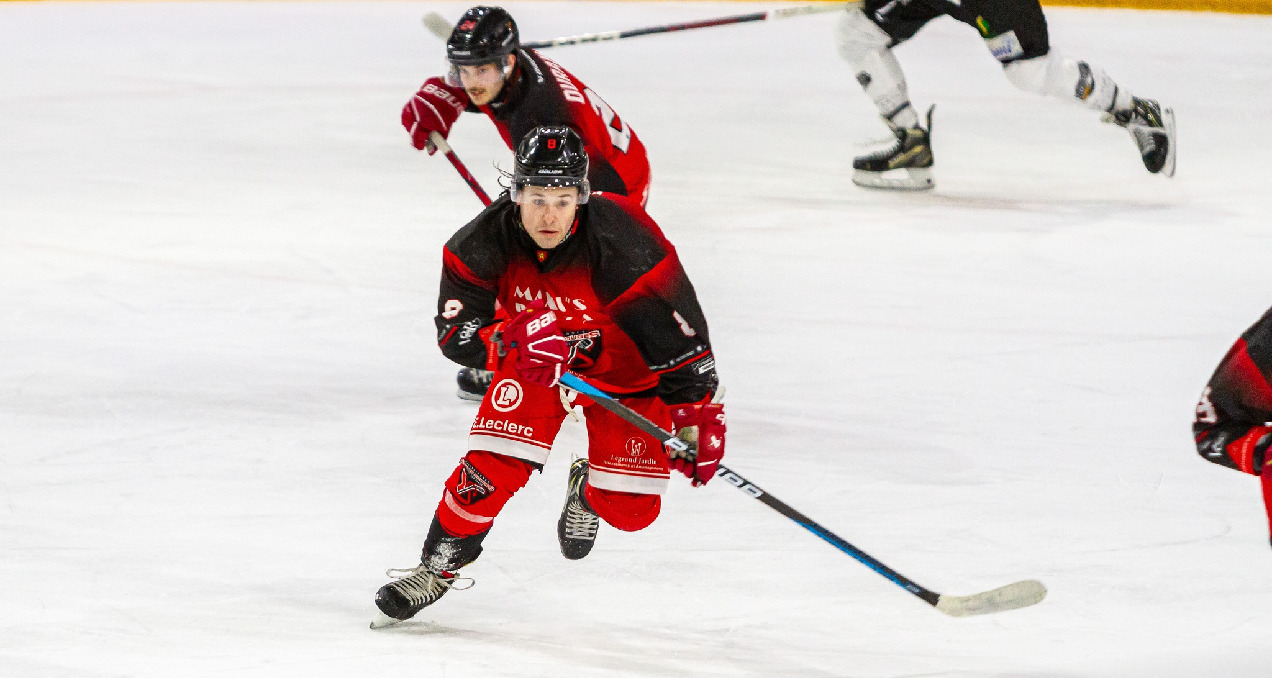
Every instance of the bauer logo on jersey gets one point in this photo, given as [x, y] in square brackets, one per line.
[1005, 47]
[506, 395]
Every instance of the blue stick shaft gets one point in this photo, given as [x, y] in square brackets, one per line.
[607, 401]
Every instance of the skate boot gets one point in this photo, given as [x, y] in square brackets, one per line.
[473, 383]
[912, 153]
[416, 588]
[576, 530]
[1153, 129]
[413, 590]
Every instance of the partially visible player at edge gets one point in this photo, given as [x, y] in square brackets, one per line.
[1233, 425]
[520, 90]
[1015, 31]
[593, 287]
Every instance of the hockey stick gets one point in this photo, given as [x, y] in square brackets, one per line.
[437, 25]
[1010, 597]
[441, 145]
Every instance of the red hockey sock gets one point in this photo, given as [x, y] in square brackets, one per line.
[624, 510]
[478, 489]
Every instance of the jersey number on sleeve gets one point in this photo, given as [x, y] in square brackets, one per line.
[620, 133]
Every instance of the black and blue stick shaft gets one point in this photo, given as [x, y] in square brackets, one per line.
[1009, 597]
[439, 26]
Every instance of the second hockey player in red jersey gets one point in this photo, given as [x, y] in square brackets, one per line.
[1233, 424]
[591, 286]
[520, 89]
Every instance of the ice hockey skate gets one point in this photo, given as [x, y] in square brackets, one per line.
[577, 527]
[473, 383]
[906, 166]
[1153, 129]
[411, 591]
[416, 588]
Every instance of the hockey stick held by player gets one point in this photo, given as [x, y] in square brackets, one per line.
[1010, 597]
[591, 284]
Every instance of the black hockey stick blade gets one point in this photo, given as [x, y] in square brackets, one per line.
[1009, 597]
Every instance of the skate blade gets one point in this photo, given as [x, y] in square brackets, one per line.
[914, 179]
[383, 620]
[465, 395]
[1168, 117]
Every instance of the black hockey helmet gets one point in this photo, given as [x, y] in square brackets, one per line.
[551, 156]
[483, 35]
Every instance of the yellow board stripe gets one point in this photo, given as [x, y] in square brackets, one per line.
[1229, 6]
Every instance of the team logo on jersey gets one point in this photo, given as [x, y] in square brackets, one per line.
[452, 308]
[506, 395]
[471, 484]
[585, 348]
[635, 446]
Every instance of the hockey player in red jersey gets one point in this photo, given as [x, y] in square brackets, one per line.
[520, 90]
[1015, 31]
[1233, 425]
[592, 287]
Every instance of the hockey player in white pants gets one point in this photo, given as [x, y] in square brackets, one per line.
[1015, 31]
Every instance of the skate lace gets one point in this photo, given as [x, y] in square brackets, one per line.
[420, 584]
[580, 523]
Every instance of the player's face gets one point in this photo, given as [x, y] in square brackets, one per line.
[547, 214]
[483, 83]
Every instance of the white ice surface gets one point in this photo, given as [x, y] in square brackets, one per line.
[222, 414]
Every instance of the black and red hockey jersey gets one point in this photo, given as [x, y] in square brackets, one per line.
[621, 296]
[540, 92]
[1233, 423]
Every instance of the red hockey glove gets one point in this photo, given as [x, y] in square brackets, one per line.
[542, 350]
[702, 425]
[433, 109]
